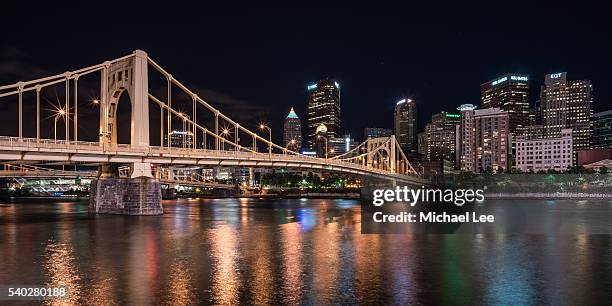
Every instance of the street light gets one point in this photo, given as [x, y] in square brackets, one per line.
[59, 113]
[319, 137]
[263, 127]
[224, 133]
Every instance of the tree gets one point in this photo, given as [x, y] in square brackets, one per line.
[603, 170]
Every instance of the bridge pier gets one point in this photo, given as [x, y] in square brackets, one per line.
[141, 195]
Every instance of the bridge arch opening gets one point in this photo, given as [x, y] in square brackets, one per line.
[120, 116]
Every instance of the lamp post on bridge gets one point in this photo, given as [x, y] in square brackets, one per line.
[60, 113]
[263, 127]
[224, 133]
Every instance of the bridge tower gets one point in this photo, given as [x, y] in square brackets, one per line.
[127, 76]
[141, 193]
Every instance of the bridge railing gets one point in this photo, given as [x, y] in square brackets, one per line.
[33, 143]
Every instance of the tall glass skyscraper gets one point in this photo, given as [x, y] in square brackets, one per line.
[292, 134]
[323, 108]
[405, 119]
[567, 104]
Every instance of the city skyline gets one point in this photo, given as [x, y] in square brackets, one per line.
[199, 153]
[373, 66]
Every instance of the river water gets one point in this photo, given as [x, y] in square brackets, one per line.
[291, 251]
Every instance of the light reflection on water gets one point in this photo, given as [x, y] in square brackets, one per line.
[298, 251]
[225, 278]
[61, 271]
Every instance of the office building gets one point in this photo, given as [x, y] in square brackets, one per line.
[510, 93]
[422, 143]
[292, 133]
[405, 119]
[440, 136]
[535, 114]
[323, 108]
[180, 139]
[376, 132]
[602, 130]
[533, 132]
[567, 105]
[339, 146]
[542, 154]
[485, 139]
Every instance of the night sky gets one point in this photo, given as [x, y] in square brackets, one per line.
[255, 64]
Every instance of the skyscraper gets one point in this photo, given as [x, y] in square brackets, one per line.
[405, 125]
[323, 108]
[510, 93]
[440, 136]
[422, 143]
[485, 140]
[567, 104]
[292, 134]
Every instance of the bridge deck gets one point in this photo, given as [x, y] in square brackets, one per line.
[29, 149]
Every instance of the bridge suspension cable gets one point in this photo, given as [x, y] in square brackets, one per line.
[379, 155]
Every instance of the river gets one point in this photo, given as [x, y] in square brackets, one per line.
[308, 251]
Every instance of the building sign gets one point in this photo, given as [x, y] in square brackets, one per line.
[309, 153]
[519, 78]
[311, 87]
[499, 81]
[466, 107]
[512, 77]
[452, 115]
[555, 75]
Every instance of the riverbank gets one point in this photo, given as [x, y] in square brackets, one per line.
[312, 195]
[548, 195]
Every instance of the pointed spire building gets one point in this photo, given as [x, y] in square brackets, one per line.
[292, 136]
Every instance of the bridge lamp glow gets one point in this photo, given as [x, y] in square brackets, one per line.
[225, 131]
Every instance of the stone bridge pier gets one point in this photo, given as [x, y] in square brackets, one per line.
[139, 194]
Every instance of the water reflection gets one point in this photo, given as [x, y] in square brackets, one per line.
[180, 290]
[292, 266]
[247, 251]
[225, 279]
[61, 270]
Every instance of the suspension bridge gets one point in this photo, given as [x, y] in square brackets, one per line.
[217, 139]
